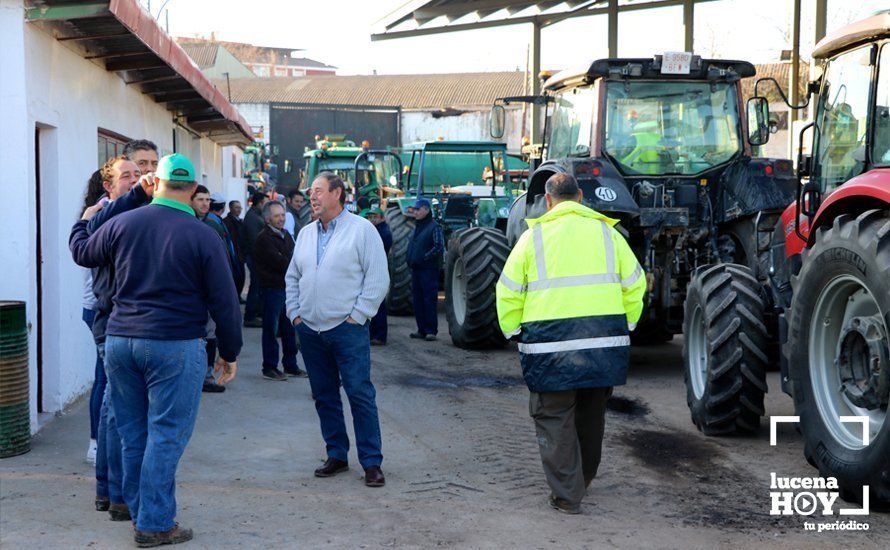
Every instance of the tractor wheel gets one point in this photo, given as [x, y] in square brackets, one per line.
[399, 301]
[724, 349]
[474, 261]
[838, 353]
[739, 243]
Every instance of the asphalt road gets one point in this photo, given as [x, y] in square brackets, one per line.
[461, 464]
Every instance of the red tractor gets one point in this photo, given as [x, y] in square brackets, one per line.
[826, 306]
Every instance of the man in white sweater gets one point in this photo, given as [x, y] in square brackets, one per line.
[337, 278]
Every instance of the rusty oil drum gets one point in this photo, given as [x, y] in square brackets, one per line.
[15, 421]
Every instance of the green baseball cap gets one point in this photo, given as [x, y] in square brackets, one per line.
[176, 167]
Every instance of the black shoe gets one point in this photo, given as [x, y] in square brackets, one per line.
[297, 373]
[146, 539]
[430, 338]
[332, 467]
[274, 374]
[564, 506]
[253, 323]
[212, 387]
[417, 335]
[374, 477]
[119, 512]
[376, 342]
[102, 504]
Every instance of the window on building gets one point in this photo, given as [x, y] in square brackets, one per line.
[280, 71]
[261, 70]
[111, 144]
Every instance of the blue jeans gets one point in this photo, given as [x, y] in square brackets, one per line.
[156, 390]
[343, 354]
[109, 468]
[379, 323]
[425, 289]
[99, 381]
[275, 321]
[252, 303]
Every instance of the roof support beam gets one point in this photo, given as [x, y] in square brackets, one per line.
[535, 52]
[94, 36]
[66, 12]
[142, 64]
[689, 25]
[154, 79]
[612, 12]
[821, 21]
[117, 55]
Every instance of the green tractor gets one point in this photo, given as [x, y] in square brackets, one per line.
[471, 185]
[372, 174]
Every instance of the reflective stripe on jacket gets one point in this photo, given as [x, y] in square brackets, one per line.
[571, 287]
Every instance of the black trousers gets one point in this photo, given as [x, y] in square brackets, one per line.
[569, 426]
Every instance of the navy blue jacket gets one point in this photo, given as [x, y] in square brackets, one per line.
[103, 276]
[385, 235]
[169, 269]
[427, 245]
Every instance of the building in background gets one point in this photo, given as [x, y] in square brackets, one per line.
[264, 61]
[80, 79]
[388, 111]
[215, 61]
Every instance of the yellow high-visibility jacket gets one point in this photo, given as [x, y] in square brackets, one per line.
[572, 288]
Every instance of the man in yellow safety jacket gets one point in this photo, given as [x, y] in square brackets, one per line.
[572, 290]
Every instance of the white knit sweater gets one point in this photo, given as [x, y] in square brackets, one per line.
[351, 280]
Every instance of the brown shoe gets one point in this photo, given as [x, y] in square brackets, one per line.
[148, 539]
[102, 504]
[119, 512]
[374, 477]
[332, 467]
[564, 506]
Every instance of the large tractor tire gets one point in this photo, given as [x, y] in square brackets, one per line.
[838, 353]
[473, 264]
[724, 349]
[399, 301]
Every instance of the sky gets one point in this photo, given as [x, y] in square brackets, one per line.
[337, 32]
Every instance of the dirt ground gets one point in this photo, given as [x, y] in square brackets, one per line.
[461, 463]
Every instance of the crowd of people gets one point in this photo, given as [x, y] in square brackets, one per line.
[165, 271]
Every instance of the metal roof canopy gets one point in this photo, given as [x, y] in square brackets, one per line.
[444, 16]
[125, 39]
[455, 146]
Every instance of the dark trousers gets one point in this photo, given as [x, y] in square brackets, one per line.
[275, 322]
[109, 464]
[210, 348]
[99, 381]
[239, 280]
[343, 355]
[425, 287]
[569, 425]
[379, 324]
[252, 305]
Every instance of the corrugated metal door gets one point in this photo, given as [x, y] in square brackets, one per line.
[293, 127]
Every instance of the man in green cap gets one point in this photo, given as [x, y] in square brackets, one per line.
[379, 325]
[170, 270]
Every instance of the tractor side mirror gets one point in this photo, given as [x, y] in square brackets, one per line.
[757, 113]
[810, 200]
[496, 122]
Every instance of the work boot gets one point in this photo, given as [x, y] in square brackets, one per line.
[148, 539]
[430, 338]
[332, 467]
[417, 335]
[102, 504]
[119, 512]
[564, 506]
[274, 374]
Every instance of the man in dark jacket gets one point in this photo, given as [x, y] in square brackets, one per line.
[379, 321]
[170, 269]
[424, 254]
[253, 224]
[234, 223]
[271, 257]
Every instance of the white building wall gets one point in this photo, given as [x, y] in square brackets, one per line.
[48, 87]
[256, 114]
[234, 187]
[470, 126]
